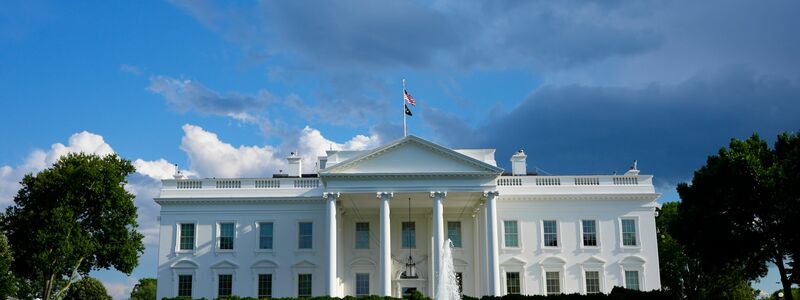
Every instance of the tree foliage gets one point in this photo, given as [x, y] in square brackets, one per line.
[87, 288]
[7, 280]
[682, 275]
[741, 210]
[144, 290]
[72, 218]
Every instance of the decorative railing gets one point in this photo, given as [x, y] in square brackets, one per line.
[233, 184]
[553, 181]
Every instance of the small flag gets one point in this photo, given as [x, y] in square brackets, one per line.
[409, 99]
[408, 111]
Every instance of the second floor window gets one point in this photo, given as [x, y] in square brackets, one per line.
[409, 235]
[305, 235]
[629, 232]
[589, 233]
[187, 237]
[454, 233]
[226, 236]
[550, 228]
[511, 234]
[265, 235]
[362, 235]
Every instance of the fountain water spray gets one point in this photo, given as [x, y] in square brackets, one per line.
[446, 285]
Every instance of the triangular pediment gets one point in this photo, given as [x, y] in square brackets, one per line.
[415, 156]
[225, 264]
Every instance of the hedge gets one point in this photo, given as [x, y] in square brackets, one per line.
[618, 293]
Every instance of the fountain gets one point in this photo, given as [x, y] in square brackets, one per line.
[446, 285]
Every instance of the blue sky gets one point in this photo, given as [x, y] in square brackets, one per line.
[228, 89]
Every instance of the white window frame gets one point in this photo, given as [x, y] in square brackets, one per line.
[257, 226]
[638, 232]
[460, 232]
[597, 233]
[177, 274]
[519, 234]
[355, 236]
[559, 239]
[521, 281]
[177, 248]
[633, 263]
[553, 266]
[255, 281]
[593, 267]
[297, 236]
[513, 265]
[216, 238]
[402, 234]
[216, 282]
[369, 283]
[296, 285]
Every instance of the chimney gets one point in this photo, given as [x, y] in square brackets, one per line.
[295, 165]
[518, 164]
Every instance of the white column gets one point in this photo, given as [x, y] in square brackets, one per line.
[438, 236]
[330, 219]
[492, 252]
[386, 246]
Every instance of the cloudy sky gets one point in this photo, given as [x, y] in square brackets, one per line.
[227, 90]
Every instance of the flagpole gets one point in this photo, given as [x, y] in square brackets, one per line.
[405, 129]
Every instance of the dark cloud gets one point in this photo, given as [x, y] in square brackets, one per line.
[670, 129]
[184, 95]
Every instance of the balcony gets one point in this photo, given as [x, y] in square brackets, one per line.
[576, 185]
[241, 187]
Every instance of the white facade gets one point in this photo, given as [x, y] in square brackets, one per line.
[340, 232]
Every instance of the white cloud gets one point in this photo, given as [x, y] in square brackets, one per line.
[38, 160]
[311, 144]
[210, 157]
[120, 290]
[131, 69]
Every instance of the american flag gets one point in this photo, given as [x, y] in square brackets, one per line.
[408, 98]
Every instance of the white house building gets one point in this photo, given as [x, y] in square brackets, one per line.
[373, 222]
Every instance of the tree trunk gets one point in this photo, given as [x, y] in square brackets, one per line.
[787, 285]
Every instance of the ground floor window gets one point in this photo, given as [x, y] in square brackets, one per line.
[225, 285]
[304, 285]
[632, 280]
[592, 282]
[552, 283]
[512, 283]
[362, 284]
[264, 286]
[184, 285]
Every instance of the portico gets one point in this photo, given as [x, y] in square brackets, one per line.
[414, 178]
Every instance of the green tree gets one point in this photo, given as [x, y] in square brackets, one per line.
[682, 275]
[7, 280]
[738, 214]
[87, 288]
[72, 218]
[144, 290]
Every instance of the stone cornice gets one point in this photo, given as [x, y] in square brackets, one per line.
[236, 200]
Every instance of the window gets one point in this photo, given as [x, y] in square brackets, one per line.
[225, 285]
[460, 282]
[362, 235]
[629, 232]
[511, 237]
[454, 233]
[409, 235]
[265, 235]
[185, 285]
[362, 284]
[187, 237]
[512, 283]
[632, 280]
[304, 285]
[550, 228]
[592, 282]
[305, 235]
[589, 232]
[264, 286]
[552, 283]
[226, 236]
